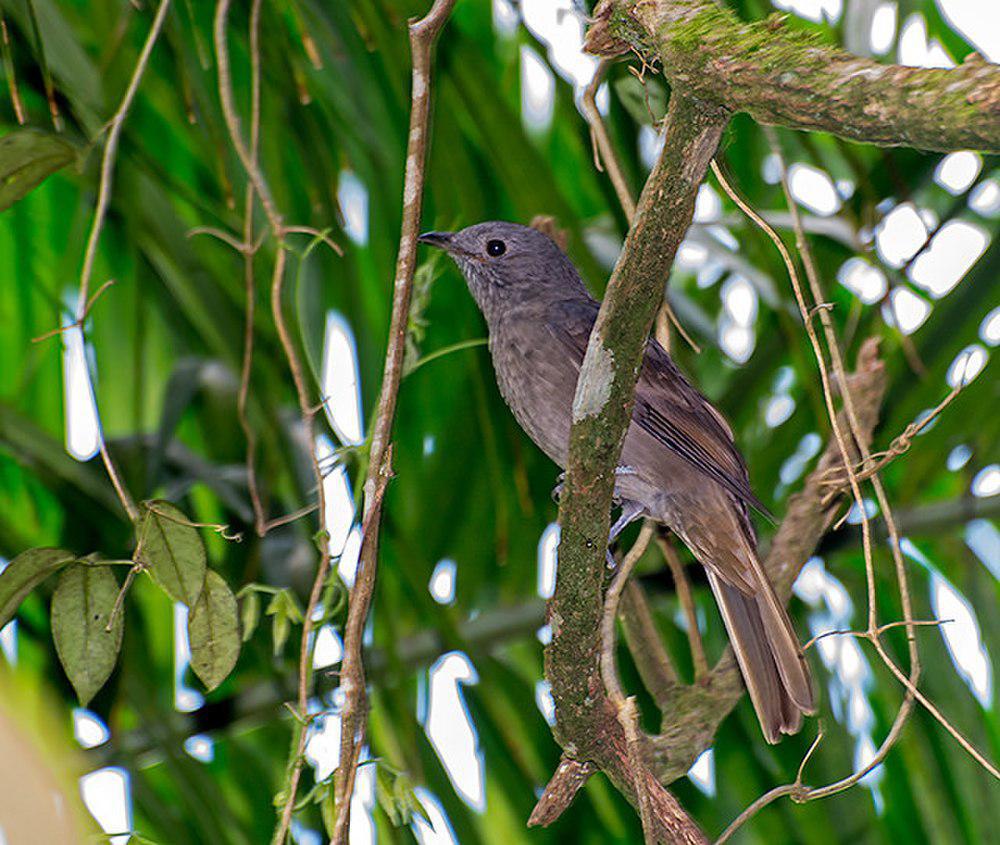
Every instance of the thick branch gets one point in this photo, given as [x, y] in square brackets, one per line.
[791, 78]
[586, 722]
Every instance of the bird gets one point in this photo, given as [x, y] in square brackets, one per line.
[679, 464]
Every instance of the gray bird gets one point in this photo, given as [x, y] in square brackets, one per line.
[679, 465]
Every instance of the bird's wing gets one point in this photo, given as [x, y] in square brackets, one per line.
[667, 407]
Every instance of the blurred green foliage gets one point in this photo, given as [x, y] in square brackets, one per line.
[166, 344]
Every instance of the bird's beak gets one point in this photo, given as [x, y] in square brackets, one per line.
[442, 240]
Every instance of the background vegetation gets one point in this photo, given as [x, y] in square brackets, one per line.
[165, 345]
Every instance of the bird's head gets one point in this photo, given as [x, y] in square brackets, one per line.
[506, 264]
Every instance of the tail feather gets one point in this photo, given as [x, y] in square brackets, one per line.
[769, 655]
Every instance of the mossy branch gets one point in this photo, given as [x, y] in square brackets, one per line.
[587, 726]
[791, 78]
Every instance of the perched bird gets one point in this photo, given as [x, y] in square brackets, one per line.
[679, 465]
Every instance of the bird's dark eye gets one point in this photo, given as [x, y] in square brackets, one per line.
[495, 248]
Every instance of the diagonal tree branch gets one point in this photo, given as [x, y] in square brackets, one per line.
[587, 726]
[791, 78]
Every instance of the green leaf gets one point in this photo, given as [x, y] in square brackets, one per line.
[81, 607]
[24, 573]
[285, 610]
[173, 551]
[250, 614]
[328, 810]
[27, 158]
[213, 631]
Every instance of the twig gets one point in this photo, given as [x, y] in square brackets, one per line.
[97, 224]
[625, 707]
[899, 446]
[687, 603]
[249, 283]
[8, 63]
[248, 158]
[605, 150]
[423, 34]
[646, 646]
[79, 321]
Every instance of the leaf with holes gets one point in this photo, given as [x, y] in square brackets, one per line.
[27, 158]
[173, 551]
[214, 631]
[24, 573]
[81, 607]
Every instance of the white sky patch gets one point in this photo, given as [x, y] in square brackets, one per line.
[450, 730]
[770, 168]
[89, 729]
[949, 256]
[8, 634]
[989, 328]
[352, 196]
[323, 746]
[813, 10]
[963, 638]
[850, 675]
[900, 234]
[957, 171]
[559, 25]
[544, 634]
[341, 381]
[985, 198]
[338, 495]
[440, 831]
[83, 426]
[347, 566]
[854, 514]
[691, 256]
[958, 457]
[200, 747]
[796, 463]
[329, 650]
[779, 409]
[865, 281]
[106, 794]
[906, 309]
[505, 18]
[987, 481]
[914, 48]
[702, 772]
[983, 538]
[548, 548]
[442, 583]
[546, 703]
[538, 89]
[978, 21]
[967, 365]
[707, 206]
[650, 143]
[813, 188]
[186, 699]
[883, 28]
[736, 334]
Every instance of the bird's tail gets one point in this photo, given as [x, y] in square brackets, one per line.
[768, 651]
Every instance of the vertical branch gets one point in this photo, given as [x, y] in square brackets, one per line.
[8, 64]
[248, 276]
[115, 126]
[248, 158]
[686, 599]
[423, 34]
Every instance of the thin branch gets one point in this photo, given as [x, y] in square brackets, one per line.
[423, 34]
[783, 76]
[603, 148]
[249, 284]
[8, 63]
[97, 224]
[687, 604]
